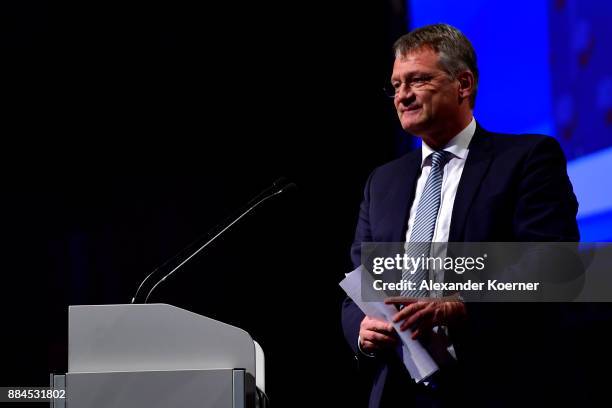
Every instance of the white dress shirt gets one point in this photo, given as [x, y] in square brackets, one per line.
[452, 171]
[458, 147]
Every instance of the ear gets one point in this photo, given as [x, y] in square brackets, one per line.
[466, 84]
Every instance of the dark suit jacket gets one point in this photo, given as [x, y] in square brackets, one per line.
[513, 188]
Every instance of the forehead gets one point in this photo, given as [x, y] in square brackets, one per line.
[420, 60]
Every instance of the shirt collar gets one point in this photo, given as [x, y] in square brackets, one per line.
[458, 145]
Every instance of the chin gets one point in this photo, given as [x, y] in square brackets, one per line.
[412, 127]
[413, 124]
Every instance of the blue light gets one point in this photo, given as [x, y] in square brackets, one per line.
[597, 228]
[545, 68]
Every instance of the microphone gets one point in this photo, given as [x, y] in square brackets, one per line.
[276, 185]
[279, 186]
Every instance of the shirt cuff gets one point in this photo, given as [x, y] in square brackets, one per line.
[371, 355]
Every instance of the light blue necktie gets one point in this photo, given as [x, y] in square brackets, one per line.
[425, 222]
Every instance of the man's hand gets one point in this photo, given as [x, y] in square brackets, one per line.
[422, 315]
[375, 334]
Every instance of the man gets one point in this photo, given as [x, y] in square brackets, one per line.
[474, 186]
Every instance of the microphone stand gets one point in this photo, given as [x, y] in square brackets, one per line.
[254, 203]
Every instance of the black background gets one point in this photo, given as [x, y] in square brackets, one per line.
[130, 129]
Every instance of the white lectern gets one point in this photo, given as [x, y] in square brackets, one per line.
[154, 356]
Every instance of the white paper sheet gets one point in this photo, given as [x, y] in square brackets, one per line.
[417, 360]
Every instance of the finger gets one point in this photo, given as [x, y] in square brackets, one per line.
[404, 300]
[417, 318]
[387, 329]
[368, 346]
[378, 338]
[408, 311]
[439, 316]
[405, 312]
[379, 326]
[417, 315]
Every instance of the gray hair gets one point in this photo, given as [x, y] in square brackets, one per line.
[454, 49]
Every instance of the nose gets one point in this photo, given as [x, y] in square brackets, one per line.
[405, 94]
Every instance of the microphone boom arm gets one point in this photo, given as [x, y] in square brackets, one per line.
[244, 213]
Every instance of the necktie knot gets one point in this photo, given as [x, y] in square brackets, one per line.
[439, 157]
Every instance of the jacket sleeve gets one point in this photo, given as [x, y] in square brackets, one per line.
[351, 314]
[546, 208]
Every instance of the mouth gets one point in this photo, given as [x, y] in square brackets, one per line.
[411, 109]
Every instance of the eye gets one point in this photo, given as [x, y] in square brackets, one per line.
[420, 80]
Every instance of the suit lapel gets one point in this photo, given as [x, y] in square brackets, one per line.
[477, 164]
[400, 202]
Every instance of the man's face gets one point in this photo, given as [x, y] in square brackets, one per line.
[425, 94]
